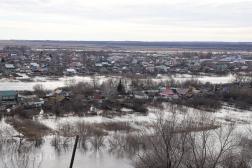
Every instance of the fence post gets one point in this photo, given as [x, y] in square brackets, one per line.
[74, 150]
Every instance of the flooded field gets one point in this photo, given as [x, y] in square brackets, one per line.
[25, 83]
[110, 141]
[52, 151]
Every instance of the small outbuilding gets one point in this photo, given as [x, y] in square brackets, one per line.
[8, 96]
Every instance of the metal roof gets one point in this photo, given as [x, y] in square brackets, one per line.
[8, 93]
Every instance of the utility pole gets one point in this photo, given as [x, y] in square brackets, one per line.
[74, 151]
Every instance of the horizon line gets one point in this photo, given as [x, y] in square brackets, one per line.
[144, 41]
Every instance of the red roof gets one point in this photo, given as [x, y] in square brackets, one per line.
[167, 92]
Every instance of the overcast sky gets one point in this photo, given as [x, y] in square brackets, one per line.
[143, 20]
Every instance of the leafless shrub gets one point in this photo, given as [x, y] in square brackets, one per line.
[65, 129]
[29, 128]
[116, 126]
[97, 142]
[109, 87]
[38, 142]
[165, 147]
[18, 153]
[85, 131]
[246, 146]
[240, 96]
[201, 102]
[234, 160]
[39, 90]
[125, 144]
[60, 143]
[211, 148]
[169, 147]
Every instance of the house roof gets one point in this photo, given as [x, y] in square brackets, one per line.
[139, 93]
[34, 64]
[71, 70]
[9, 66]
[182, 91]
[167, 92]
[8, 93]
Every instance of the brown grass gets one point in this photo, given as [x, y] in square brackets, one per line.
[93, 129]
[29, 128]
[115, 126]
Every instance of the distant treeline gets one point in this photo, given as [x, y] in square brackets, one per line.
[241, 46]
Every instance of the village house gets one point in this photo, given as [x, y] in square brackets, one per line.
[249, 63]
[221, 67]
[152, 93]
[70, 71]
[34, 66]
[31, 101]
[8, 97]
[9, 66]
[182, 92]
[140, 95]
[168, 93]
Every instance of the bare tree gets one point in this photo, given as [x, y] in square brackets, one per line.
[181, 143]
[165, 147]
[210, 148]
[97, 141]
[39, 90]
[20, 154]
[109, 87]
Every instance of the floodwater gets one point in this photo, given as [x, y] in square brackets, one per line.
[47, 155]
[18, 84]
[47, 83]
[89, 158]
[204, 78]
[50, 157]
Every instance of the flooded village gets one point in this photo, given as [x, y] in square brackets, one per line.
[133, 107]
[125, 83]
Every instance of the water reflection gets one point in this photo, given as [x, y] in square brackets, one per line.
[55, 151]
[17, 152]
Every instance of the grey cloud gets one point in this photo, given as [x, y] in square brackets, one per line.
[204, 14]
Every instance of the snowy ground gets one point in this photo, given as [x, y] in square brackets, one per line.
[226, 115]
